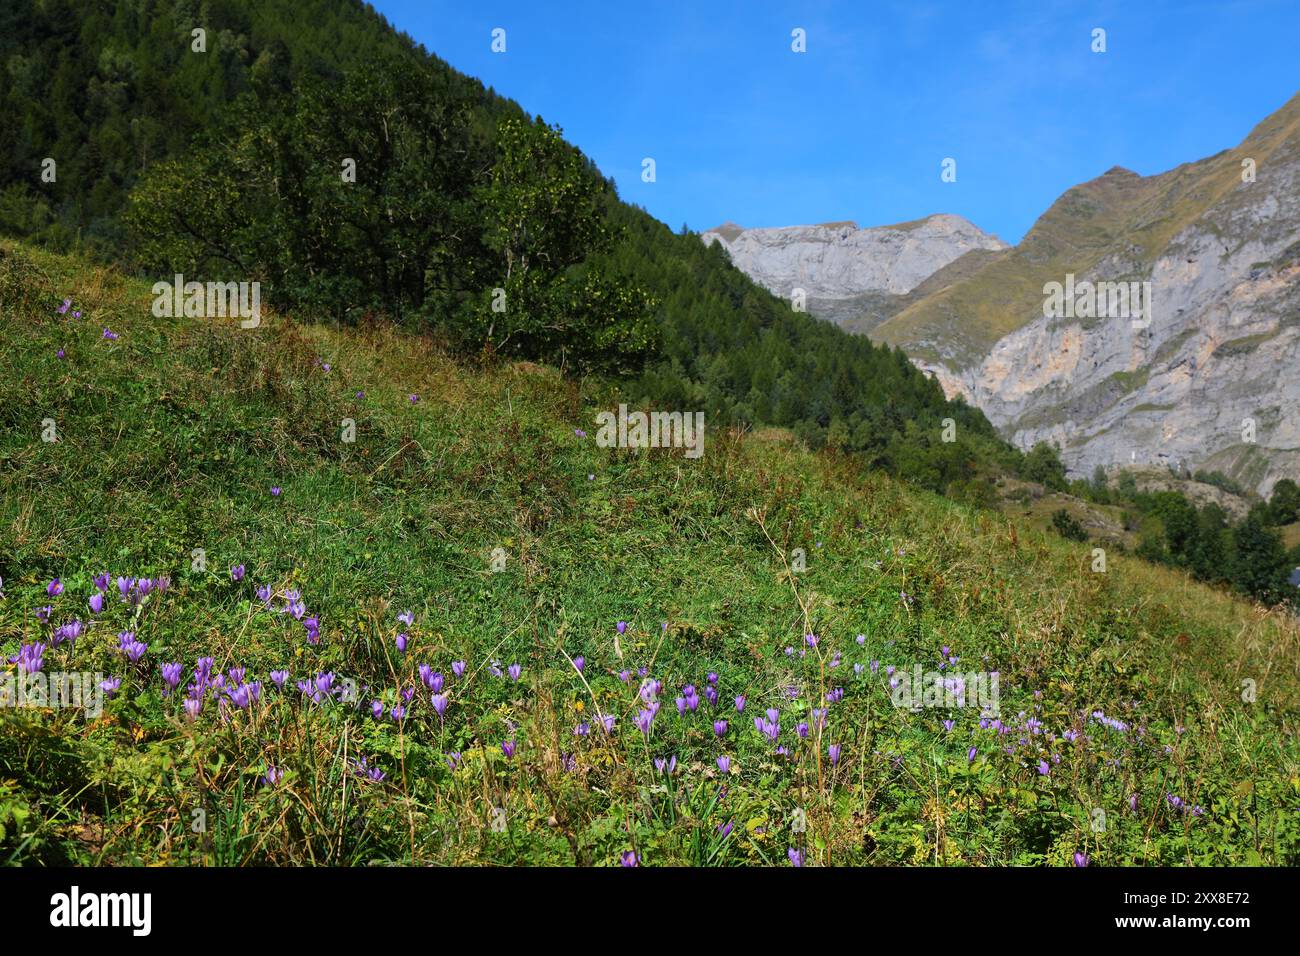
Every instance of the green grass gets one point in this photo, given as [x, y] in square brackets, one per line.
[171, 436]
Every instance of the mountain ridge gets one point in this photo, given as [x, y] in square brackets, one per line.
[1220, 253]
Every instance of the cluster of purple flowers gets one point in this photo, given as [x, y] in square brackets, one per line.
[132, 648]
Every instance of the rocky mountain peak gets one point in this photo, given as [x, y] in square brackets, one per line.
[839, 260]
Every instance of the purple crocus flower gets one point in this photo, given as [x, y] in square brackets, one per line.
[133, 649]
[30, 658]
[1080, 859]
[458, 668]
[275, 491]
[724, 764]
[96, 603]
[622, 626]
[110, 334]
[102, 581]
[508, 748]
[720, 728]
[171, 675]
[240, 696]
[607, 723]
[407, 618]
[376, 709]
[515, 671]
[279, 677]
[724, 829]
[237, 573]
[453, 759]
[629, 858]
[796, 856]
[644, 719]
[833, 751]
[579, 663]
[1043, 768]
[68, 632]
[54, 588]
[110, 686]
[401, 643]
[740, 704]
[439, 702]
[970, 755]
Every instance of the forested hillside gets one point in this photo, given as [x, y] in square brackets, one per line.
[232, 163]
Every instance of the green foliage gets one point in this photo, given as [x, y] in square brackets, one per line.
[1042, 464]
[544, 218]
[1259, 564]
[1284, 504]
[1068, 526]
[370, 227]
[1221, 481]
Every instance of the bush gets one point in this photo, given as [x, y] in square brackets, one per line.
[1067, 526]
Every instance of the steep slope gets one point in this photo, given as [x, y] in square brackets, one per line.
[229, 155]
[1223, 259]
[1118, 690]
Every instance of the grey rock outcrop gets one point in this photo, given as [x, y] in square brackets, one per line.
[840, 261]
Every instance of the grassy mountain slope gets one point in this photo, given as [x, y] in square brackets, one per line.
[1121, 217]
[172, 434]
[257, 122]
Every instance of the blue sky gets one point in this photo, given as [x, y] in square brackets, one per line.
[742, 128]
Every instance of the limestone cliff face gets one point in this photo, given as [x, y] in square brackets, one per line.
[1213, 382]
[840, 261]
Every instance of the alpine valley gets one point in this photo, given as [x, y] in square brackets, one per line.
[1202, 387]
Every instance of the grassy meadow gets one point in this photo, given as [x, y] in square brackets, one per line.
[469, 635]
